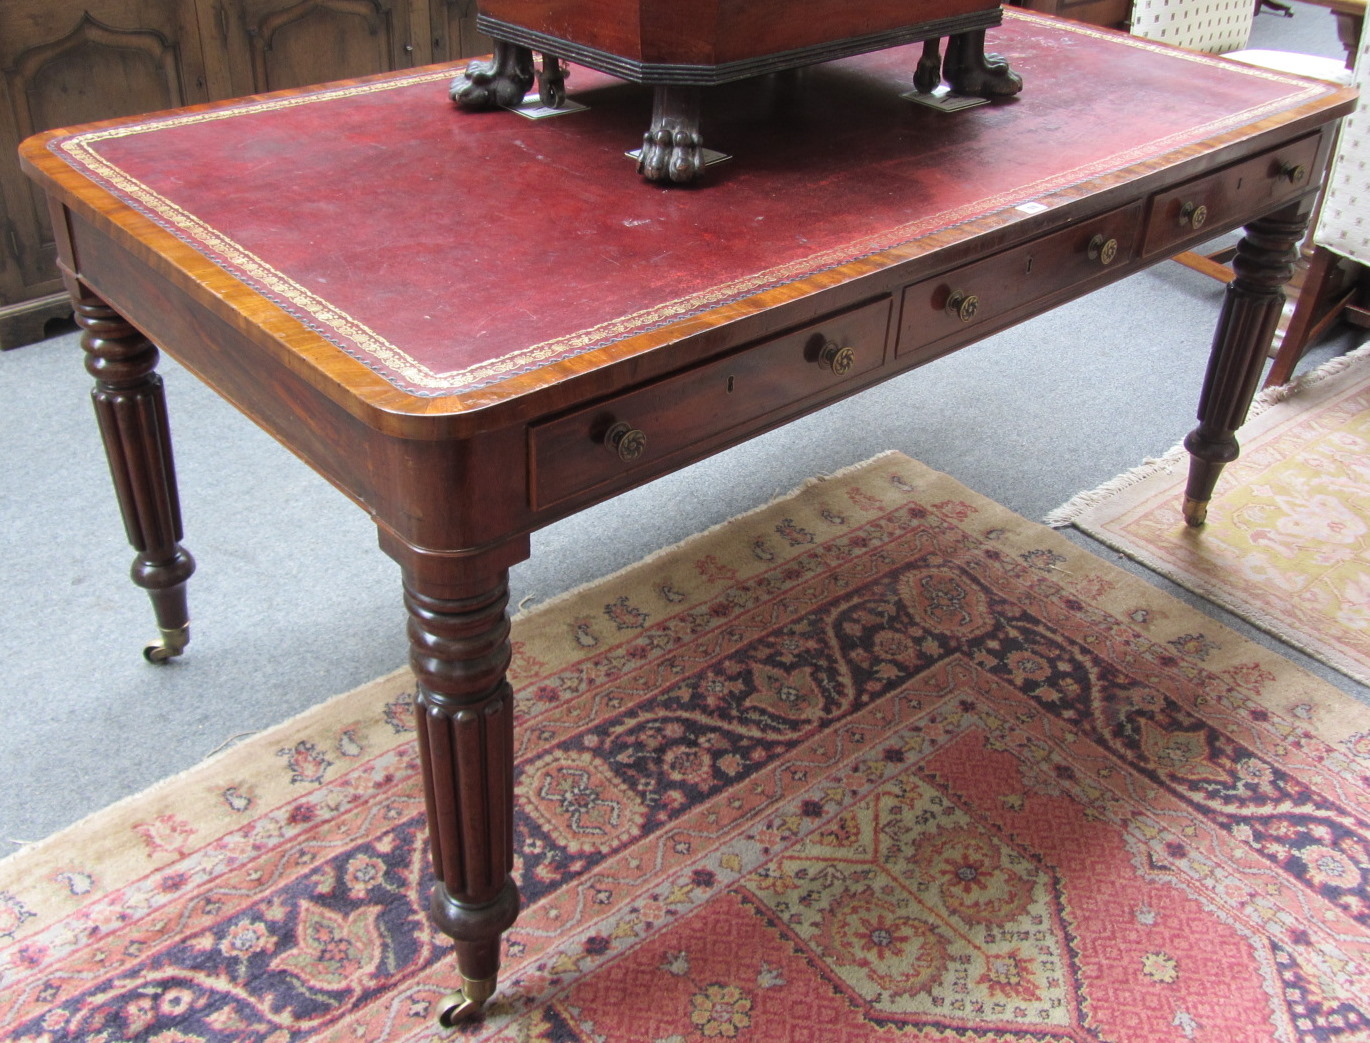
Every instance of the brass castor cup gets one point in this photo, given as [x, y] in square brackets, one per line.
[171, 644]
[463, 1004]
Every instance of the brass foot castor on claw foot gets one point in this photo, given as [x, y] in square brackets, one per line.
[465, 1003]
[171, 644]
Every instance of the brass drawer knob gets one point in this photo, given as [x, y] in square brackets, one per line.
[1193, 214]
[963, 305]
[1294, 173]
[626, 441]
[838, 359]
[1103, 250]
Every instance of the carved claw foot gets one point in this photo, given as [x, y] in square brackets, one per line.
[171, 644]
[673, 149]
[500, 82]
[676, 156]
[927, 77]
[996, 79]
[466, 1002]
[969, 70]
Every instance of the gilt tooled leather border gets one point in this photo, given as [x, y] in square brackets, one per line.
[406, 373]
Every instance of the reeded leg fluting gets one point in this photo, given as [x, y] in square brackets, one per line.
[1251, 310]
[459, 649]
[130, 406]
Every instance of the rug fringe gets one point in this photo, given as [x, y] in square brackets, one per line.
[1070, 511]
[1066, 514]
[1330, 368]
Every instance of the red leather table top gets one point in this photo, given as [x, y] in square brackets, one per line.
[449, 250]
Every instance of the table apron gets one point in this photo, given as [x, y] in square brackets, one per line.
[419, 490]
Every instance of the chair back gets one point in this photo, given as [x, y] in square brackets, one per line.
[1211, 26]
[1344, 222]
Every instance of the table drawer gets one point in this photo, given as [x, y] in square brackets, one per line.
[1230, 194]
[696, 410]
[948, 307]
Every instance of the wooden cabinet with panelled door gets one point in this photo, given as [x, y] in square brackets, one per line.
[63, 63]
[255, 46]
[453, 24]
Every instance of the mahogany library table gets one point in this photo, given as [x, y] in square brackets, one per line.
[474, 324]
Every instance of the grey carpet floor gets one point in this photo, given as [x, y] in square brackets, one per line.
[293, 602]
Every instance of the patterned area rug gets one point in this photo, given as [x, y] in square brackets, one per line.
[1287, 543]
[879, 761]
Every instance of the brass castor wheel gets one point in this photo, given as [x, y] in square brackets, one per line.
[465, 1003]
[171, 644]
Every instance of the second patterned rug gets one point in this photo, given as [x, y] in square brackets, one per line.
[1287, 542]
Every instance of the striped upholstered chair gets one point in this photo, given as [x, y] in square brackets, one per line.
[1210, 26]
[1343, 227]
[1337, 282]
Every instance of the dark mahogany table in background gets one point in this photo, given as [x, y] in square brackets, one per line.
[474, 324]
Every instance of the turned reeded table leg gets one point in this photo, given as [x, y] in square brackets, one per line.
[459, 649]
[131, 408]
[1251, 310]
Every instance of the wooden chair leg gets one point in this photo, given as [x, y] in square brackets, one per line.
[1213, 265]
[1305, 323]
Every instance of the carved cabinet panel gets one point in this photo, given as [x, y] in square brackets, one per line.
[454, 35]
[254, 46]
[64, 62]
